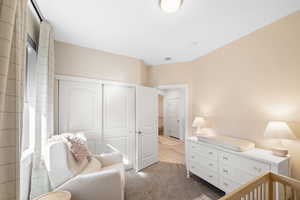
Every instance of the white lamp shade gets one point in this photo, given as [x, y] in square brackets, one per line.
[170, 6]
[279, 130]
[198, 122]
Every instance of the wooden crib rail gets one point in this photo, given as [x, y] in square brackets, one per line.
[268, 186]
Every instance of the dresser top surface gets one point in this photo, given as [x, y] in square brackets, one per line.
[255, 153]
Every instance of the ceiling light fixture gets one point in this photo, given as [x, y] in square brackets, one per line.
[170, 6]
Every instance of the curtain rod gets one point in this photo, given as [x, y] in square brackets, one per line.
[37, 10]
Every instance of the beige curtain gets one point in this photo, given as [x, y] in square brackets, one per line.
[12, 62]
[44, 109]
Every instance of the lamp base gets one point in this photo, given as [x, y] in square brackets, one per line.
[280, 152]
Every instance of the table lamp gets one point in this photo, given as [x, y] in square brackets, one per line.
[279, 130]
[198, 123]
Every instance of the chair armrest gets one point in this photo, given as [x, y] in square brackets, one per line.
[95, 186]
[108, 159]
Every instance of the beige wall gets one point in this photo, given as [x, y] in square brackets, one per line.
[89, 63]
[78, 61]
[180, 73]
[239, 87]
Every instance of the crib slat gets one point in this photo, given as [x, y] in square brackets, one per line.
[295, 194]
[270, 190]
[284, 191]
[248, 196]
[263, 192]
[260, 192]
[266, 191]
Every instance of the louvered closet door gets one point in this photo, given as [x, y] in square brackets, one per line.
[80, 110]
[119, 119]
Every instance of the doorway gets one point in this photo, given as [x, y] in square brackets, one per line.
[172, 122]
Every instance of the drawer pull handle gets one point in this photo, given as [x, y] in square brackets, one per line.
[210, 176]
[210, 164]
[210, 153]
[193, 157]
[225, 171]
[225, 158]
[226, 184]
[193, 167]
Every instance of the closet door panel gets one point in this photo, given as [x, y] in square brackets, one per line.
[80, 110]
[119, 118]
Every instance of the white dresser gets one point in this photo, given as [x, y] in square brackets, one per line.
[227, 169]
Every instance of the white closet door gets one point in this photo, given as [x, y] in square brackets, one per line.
[80, 110]
[147, 126]
[119, 119]
[173, 117]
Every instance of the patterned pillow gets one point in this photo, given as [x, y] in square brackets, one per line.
[78, 147]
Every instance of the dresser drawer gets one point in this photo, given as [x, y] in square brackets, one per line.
[244, 164]
[205, 151]
[228, 185]
[234, 174]
[206, 174]
[203, 161]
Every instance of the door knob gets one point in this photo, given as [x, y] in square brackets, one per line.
[139, 132]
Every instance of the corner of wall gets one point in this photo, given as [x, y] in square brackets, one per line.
[144, 74]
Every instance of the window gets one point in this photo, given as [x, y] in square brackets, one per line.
[29, 109]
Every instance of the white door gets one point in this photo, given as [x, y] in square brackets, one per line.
[119, 119]
[173, 117]
[80, 110]
[147, 126]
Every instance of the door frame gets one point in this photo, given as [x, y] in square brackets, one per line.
[186, 105]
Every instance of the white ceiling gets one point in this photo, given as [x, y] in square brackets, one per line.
[140, 29]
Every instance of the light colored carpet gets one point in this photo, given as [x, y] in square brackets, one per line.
[171, 150]
[166, 140]
[167, 181]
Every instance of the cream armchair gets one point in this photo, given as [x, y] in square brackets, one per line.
[90, 180]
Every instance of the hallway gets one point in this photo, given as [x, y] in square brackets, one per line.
[171, 150]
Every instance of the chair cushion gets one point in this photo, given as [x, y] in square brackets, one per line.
[94, 165]
[120, 168]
